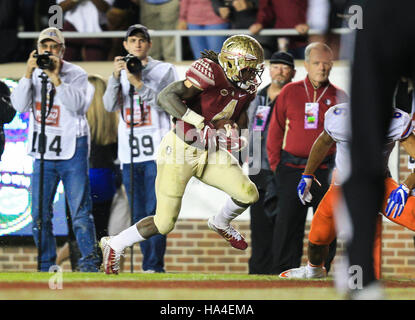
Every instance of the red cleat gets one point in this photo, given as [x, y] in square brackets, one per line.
[229, 234]
[110, 257]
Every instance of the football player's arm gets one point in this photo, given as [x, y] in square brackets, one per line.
[318, 152]
[171, 100]
[409, 146]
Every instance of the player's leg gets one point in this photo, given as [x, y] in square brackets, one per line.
[155, 246]
[173, 174]
[322, 233]
[223, 172]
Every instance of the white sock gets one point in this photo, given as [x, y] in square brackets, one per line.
[229, 212]
[126, 238]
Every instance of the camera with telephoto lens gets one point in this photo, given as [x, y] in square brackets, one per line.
[133, 64]
[44, 61]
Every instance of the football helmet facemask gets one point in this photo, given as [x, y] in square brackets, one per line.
[242, 60]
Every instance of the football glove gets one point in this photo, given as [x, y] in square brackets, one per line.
[303, 188]
[229, 139]
[397, 200]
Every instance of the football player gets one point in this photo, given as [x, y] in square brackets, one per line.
[217, 88]
[398, 206]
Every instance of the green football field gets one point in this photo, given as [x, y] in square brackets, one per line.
[176, 286]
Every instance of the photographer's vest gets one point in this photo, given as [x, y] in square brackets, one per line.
[63, 126]
[149, 124]
[60, 128]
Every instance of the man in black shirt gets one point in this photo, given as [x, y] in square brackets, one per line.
[282, 71]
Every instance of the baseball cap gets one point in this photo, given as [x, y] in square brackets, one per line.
[138, 28]
[51, 34]
[282, 57]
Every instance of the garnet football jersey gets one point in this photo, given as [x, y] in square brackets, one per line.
[219, 98]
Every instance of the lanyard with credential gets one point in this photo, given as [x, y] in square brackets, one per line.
[308, 94]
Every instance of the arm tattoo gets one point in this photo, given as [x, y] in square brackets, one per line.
[171, 98]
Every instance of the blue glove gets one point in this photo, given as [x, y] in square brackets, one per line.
[397, 199]
[303, 188]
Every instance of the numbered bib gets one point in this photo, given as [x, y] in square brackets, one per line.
[60, 133]
[148, 130]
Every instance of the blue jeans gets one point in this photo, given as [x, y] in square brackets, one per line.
[200, 43]
[144, 177]
[74, 175]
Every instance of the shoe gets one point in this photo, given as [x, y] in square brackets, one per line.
[149, 271]
[229, 234]
[304, 273]
[110, 257]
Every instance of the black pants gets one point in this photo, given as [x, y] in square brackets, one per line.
[262, 225]
[101, 212]
[384, 51]
[291, 215]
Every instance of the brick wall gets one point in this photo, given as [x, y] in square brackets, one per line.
[192, 247]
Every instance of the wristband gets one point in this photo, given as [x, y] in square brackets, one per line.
[311, 176]
[405, 187]
[194, 118]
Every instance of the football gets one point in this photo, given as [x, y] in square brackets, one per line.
[225, 124]
[228, 135]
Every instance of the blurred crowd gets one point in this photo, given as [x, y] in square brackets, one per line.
[116, 15]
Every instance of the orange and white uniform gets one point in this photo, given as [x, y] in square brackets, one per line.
[336, 124]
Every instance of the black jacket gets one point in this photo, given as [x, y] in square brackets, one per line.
[7, 112]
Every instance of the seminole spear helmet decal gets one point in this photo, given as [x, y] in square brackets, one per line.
[242, 60]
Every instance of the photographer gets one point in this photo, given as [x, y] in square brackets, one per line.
[66, 144]
[7, 112]
[139, 75]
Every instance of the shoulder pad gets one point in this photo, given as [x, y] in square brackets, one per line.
[201, 73]
[336, 122]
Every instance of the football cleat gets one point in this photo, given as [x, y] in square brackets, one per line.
[304, 273]
[230, 234]
[110, 257]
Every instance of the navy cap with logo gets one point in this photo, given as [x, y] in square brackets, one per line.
[138, 28]
[282, 57]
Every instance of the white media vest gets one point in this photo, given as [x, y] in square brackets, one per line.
[150, 122]
[66, 118]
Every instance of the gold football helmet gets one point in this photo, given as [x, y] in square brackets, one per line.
[242, 60]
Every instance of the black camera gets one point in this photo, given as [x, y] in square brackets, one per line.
[44, 61]
[133, 64]
[228, 3]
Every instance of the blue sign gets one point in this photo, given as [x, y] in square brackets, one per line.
[16, 168]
